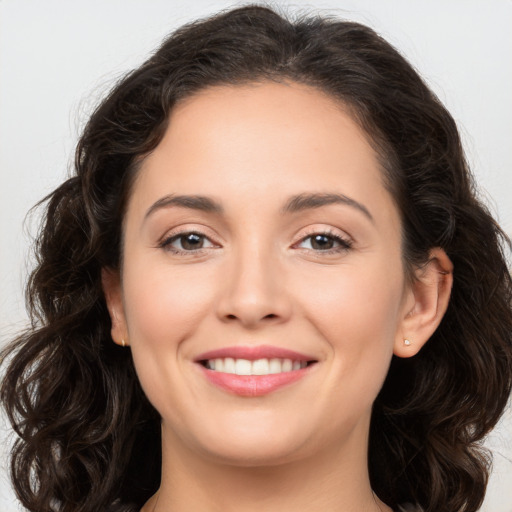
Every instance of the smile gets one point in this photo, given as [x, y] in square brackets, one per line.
[257, 367]
[252, 371]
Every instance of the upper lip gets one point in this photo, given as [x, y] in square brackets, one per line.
[252, 353]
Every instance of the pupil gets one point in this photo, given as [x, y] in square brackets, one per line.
[322, 242]
[191, 241]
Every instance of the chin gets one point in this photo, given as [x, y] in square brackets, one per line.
[252, 454]
[250, 443]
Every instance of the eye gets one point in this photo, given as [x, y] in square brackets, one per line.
[325, 242]
[186, 242]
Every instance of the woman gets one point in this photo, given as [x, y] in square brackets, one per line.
[259, 289]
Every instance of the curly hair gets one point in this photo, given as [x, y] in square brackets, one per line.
[85, 428]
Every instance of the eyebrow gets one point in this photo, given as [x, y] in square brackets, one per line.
[294, 204]
[303, 202]
[201, 203]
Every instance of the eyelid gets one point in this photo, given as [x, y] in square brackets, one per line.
[165, 241]
[324, 230]
[344, 241]
[190, 227]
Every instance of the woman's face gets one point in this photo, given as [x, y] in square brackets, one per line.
[260, 239]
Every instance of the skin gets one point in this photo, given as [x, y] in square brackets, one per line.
[260, 279]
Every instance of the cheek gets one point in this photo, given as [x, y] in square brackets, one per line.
[354, 299]
[163, 306]
[356, 310]
[164, 302]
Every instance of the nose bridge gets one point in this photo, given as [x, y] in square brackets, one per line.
[254, 288]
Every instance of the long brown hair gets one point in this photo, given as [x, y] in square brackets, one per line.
[88, 437]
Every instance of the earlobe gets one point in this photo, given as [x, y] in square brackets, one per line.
[429, 298]
[111, 284]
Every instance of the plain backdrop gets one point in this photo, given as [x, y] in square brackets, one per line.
[57, 58]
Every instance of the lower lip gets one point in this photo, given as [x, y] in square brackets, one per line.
[254, 385]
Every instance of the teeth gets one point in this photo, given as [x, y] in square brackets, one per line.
[229, 365]
[261, 367]
[242, 367]
[258, 367]
[275, 366]
[287, 365]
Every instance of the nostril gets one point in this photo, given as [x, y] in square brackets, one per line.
[270, 316]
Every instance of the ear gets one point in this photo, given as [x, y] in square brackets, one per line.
[425, 304]
[111, 284]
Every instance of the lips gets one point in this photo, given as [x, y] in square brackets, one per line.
[254, 370]
[253, 353]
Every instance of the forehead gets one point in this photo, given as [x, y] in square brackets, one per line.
[258, 141]
[258, 111]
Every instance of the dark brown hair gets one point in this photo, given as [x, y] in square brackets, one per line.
[88, 437]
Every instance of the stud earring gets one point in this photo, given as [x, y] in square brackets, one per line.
[123, 342]
[407, 342]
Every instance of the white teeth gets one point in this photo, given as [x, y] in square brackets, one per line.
[257, 367]
[229, 365]
[275, 366]
[242, 367]
[219, 365]
[287, 365]
[261, 367]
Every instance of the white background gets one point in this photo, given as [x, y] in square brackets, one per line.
[57, 58]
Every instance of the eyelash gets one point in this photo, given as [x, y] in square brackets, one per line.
[166, 243]
[345, 244]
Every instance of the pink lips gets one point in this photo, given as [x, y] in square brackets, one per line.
[254, 352]
[253, 385]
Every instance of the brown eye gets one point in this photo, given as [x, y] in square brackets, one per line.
[191, 241]
[322, 242]
[186, 242]
[325, 242]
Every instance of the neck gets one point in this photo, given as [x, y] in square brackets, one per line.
[335, 480]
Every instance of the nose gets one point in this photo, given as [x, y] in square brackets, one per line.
[254, 291]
